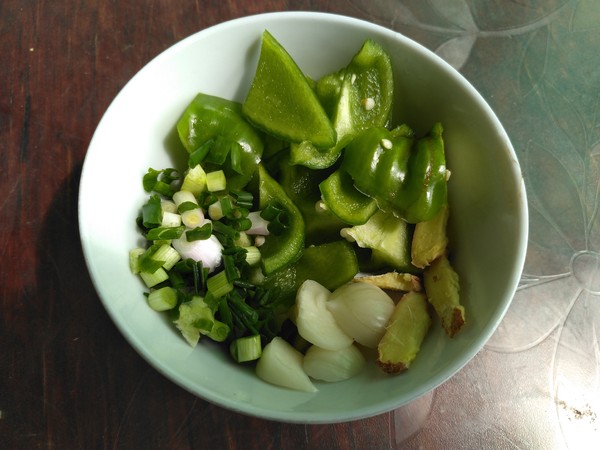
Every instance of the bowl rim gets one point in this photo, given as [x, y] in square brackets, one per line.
[294, 416]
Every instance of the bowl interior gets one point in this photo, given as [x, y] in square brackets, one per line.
[488, 221]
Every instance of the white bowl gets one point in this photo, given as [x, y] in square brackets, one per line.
[487, 196]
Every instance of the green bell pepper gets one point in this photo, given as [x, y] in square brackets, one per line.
[214, 132]
[355, 98]
[344, 200]
[428, 176]
[302, 186]
[406, 179]
[279, 250]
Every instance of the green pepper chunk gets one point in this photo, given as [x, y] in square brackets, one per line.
[331, 264]
[279, 250]
[302, 186]
[406, 179]
[355, 98]
[428, 176]
[213, 130]
[344, 200]
[281, 100]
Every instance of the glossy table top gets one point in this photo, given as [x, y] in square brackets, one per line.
[68, 379]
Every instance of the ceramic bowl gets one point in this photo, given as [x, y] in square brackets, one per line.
[488, 225]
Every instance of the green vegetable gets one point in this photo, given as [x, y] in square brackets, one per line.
[247, 348]
[215, 133]
[199, 233]
[428, 177]
[409, 182]
[194, 180]
[344, 200]
[152, 212]
[301, 184]
[279, 250]
[160, 181]
[153, 278]
[281, 101]
[356, 98]
[304, 163]
[164, 233]
[163, 299]
[216, 181]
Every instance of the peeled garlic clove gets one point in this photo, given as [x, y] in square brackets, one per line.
[315, 322]
[281, 364]
[362, 311]
[333, 365]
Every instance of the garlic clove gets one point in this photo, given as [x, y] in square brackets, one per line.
[362, 311]
[333, 365]
[281, 364]
[315, 322]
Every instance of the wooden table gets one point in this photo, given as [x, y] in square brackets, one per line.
[69, 380]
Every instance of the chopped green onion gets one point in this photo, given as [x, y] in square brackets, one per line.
[186, 206]
[242, 224]
[219, 332]
[134, 259]
[152, 212]
[160, 181]
[176, 279]
[170, 219]
[169, 176]
[219, 285]
[225, 312]
[279, 219]
[164, 233]
[239, 213]
[243, 199]
[199, 274]
[152, 279]
[208, 198]
[216, 181]
[225, 233]
[271, 211]
[168, 254]
[150, 179]
[194, 180]
[215, 211]
[252, 255]
[247, 348]
[226, 205]
[182, 196]
[168, 206]
[163, 299]
[193, 218]
[238, 304]
[199, 233]
[229, 268]
[147, 262]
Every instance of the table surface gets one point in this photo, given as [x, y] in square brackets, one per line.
[68, 378]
